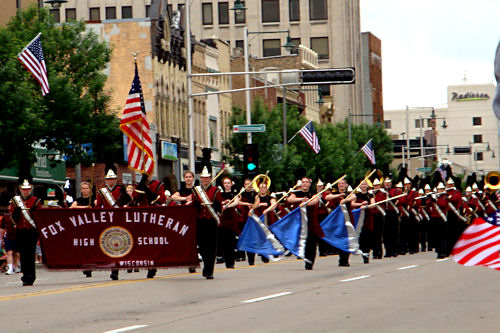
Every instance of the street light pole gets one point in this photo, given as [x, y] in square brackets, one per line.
[408, 139]
[247, 82]
[422, 142]
[191, 147]
[284, 118]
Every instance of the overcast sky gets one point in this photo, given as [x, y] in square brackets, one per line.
[430, 44]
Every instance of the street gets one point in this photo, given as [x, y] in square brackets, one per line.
[412, 293]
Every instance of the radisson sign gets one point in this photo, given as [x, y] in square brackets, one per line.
[469, 96]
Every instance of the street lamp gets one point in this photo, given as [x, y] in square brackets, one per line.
[56, 4]
[238, 8]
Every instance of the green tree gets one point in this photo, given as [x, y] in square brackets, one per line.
[76, 109]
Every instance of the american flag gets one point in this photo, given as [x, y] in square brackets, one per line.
[33, 60]
[308, 133]
[134, 124]
[479, 244]
[369, 152]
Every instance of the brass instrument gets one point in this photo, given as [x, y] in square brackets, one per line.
[492, 180]
[257, 181]
[370, 177]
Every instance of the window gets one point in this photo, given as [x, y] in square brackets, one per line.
[270, 11]
[478, 138]
[240, 17]
[476, 121]
[296, 42]
[70, 14]
[206, 9]
[324, 89]
[126, 12]
[239, 43]
[213, 132]
[294, 10]
[110, 13]
[169, 10]
[320, 46]
[387, 124]
[223, 13]
[95, 14]
[318, 10]
[417, 123]
[272, 47]
[148, 10]
[56, 15]
[478, 156]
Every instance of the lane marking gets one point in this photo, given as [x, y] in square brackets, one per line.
[443, 259]
[408, 267]
[125, 329]
[267, 297]
[356, 278]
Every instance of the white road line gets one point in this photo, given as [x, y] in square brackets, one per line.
[443, 259]
[356, 278]
[125, 329]
[267, 297]
[407, 267]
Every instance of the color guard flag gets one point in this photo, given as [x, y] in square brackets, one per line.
[134, 124]
[340, 232]
[369, 152]
[291, 231]
[31, 57]
[256, 238]
[479, 244]
[309, 134]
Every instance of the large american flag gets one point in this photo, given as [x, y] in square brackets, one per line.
[134, 124]
[479, 244]
[369, 152]
[33, 60]
[308, 133]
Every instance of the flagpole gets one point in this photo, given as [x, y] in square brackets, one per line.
[327, 187]
[143, 159]
[293, 137]
[353, 191]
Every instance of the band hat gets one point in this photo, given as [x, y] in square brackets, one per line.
[110, 175]
[434, 189]
[167, 193]
[388, 180]
[474, 186]
[468, 189]
[420, 191]
[349, 188]
[407, 181]
[376, 182]
[441, 185]
[400, 185]
[319, 183]
[205, 173]
[26, 185]
[450, 181]
[427, 187]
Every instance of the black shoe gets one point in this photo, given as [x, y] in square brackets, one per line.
[136, 270]
[322, 254]
[27, 283]
[366, 259]
[114, 276]
[220, 260]
[309, 266]
[129, 271]
[387, 255]
[151, 273]
[210, 277]
[192, 269]
[229, 266]
[88, 273]
[344, 264]
[251, 263]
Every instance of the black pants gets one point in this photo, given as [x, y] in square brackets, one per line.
[413, 239]
[227, 245]
[312, 241]
[391, 230]
[378, 231]
[441, 237]
[403, 235]
[206, 235]
[26, 240]
[366, 240]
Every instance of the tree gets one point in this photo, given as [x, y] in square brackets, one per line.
[76, 109]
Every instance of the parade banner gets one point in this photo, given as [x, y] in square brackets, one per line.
[138, 237]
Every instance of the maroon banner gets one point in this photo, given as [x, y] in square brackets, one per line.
[117, 237]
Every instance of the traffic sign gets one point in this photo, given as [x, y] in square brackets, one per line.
[253, 128]
[426, 169]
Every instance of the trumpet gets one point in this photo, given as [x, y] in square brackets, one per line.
[492, 180]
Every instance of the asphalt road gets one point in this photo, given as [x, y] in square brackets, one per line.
[412, 293]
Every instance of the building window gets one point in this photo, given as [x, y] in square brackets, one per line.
[476, 121]
[320, 46]
[272, 47]
[318, 10]
[387, 124]
[324, 89]
[270, 11]
[70, 14]
[206, 9]
[239, 43]
[126, 12]
[478, 156]
[148, 10]
[418, 124]
[110, 13]
[240, 16]
[169, 10]
[213, 132]
[223, 13]
[296, 42]
[294, 10]
[56, 15]
[478, 138]
[95, 14]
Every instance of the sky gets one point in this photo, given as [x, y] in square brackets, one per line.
[430, 44]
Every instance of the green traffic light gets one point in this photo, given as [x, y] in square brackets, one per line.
[251, 166]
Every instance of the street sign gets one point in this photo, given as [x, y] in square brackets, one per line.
[253, 128]
[426, 169]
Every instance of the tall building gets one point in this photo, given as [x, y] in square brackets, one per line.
[373, 108]
[329, 27]
[11, 7]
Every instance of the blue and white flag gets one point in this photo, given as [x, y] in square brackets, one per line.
[341, 232]
[256, 238]
[291, 231]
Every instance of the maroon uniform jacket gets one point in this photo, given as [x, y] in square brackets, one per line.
[215, 197]
[312, 218]
[116, 192]
[442, 203]
[158, 189]
[230, 216]
[30, 202]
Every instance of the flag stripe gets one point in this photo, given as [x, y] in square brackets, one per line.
[369, 151]
[308, 133]
[32, 58]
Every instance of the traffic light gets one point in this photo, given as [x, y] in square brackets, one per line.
[251, 159]
[329, 76]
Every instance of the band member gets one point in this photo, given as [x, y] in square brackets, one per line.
[476, 203]
[135, 197]
[208, 199]
[154, 191]
[427, 210]
[262, 204]
[420, 204]
[185, 196]
[489, 200]
[314, 231]
[439, 210]
[20, 208]
[414, 218]
[404, 217]
[378, 213]
[246, 202]
[391, 226]
[8, 234]
[110, 196]
[322, 212]
[455, 222]
[363, 199]
[228, 228]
